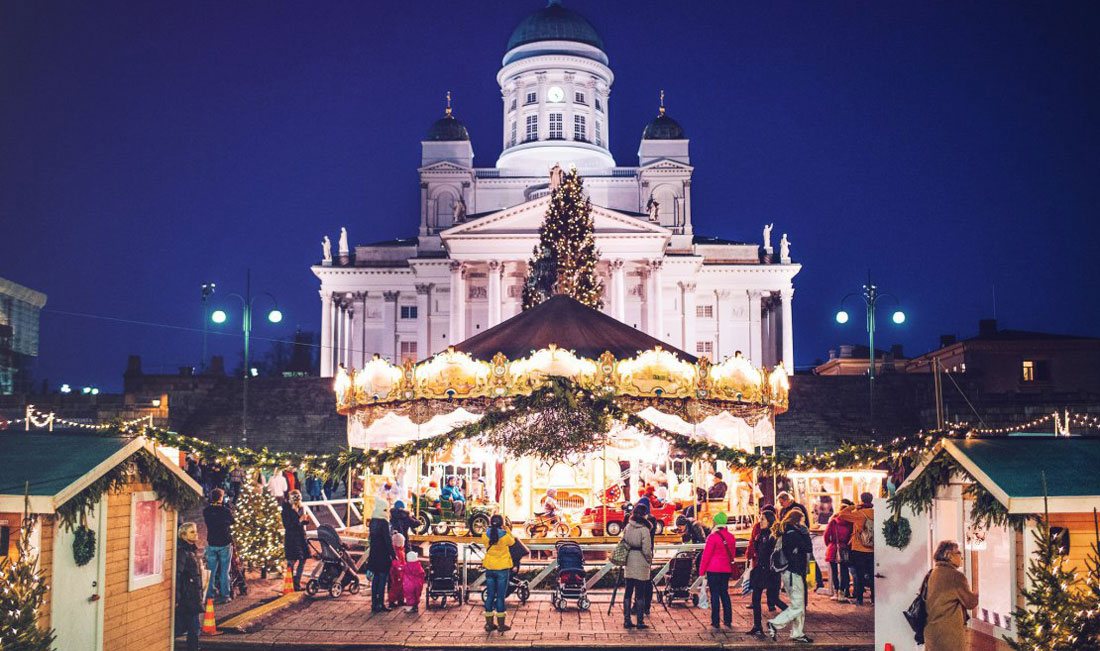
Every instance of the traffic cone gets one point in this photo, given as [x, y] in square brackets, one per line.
[209, 627]
[288, 581]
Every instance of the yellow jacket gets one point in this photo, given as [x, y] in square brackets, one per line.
[497, 557]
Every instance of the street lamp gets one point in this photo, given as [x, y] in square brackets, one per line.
[207, 292]
[274, 315]
[871, 297]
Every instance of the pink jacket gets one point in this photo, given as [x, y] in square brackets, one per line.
[837, 534]
[412, 579]
[715, 557]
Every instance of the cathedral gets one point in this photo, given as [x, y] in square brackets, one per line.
[464, 270]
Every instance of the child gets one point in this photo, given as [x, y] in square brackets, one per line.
[395, 585]
[412, 581]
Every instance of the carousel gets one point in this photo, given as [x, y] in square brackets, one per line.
[560, 408]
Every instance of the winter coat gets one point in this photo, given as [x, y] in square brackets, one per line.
[750, 553]
[762, 574]
[716, 560]
[380, 555]
[857, 516]
[640, 559]
[838, 535]
[401, 522]
[792, 506]
[948, 598]
[498, 556]
[397, 572]
[797, 547]
[412, 580]
[294, 542]
[188, 580]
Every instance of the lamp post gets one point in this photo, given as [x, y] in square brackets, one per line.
[871, 297]
[207, 292]
[274, 316]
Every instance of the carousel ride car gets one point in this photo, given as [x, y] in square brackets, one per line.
[439, 517]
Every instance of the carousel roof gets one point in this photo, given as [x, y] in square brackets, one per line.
[567, 324]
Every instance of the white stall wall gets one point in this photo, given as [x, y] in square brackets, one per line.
[899, 573]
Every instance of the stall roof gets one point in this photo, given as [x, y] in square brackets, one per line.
[568, 324]
[1012, 469]
[58, 466]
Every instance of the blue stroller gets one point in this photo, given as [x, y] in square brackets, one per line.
[571, 583]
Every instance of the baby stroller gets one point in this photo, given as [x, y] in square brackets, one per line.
[443, 580]
[678, 581]
[570, 583]
[336, 571]
[237, 581]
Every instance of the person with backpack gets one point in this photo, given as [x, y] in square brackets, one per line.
[719, 558]
[947, 599]
[497, 542]
[792, 554]
[762, 577]
[862, 556]
[838, 550]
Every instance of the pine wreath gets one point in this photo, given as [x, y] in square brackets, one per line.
[83, 545]
[897, 532]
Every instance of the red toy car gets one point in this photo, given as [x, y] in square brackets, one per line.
[593, 518]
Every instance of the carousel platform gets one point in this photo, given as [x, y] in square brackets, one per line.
[360, 531]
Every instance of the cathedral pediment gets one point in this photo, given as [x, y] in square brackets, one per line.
[666, 165]
[527, 217]
[443, 167]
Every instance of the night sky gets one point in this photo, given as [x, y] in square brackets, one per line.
[146, 148]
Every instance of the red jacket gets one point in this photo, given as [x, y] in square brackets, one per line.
[838, 533]
[715, 557]
[750, 553]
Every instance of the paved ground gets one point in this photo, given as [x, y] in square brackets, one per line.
[347, 623]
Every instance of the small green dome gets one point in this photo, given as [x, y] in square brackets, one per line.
[555, 23]
[447, 128]
[663, 128]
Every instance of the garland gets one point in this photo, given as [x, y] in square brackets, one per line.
[897, 532]
[83, 545]
[169, 488]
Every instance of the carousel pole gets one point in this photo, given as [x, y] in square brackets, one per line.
[603, 484]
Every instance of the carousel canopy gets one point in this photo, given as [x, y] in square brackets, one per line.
[567, 324]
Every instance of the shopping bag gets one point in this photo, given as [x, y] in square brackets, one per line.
[704, 597]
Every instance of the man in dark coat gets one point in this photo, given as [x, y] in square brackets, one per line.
[294, 544]
[400, 519]
[380, 556]
[188, 585]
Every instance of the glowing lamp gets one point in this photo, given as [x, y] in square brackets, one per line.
[842, 317]
[254, 371]
[899, 317]
[218, 316]
[274, 316]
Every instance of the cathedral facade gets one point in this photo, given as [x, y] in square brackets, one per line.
[464, 271]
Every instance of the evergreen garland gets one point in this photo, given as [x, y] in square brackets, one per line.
[258, 528]
[565, 258]
[23, 589]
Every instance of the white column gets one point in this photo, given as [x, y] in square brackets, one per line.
[787, 295]
[423, 321]
[687, 305]
[458, 303]
[326, 333]
[337, 332]
[361, 342]
[618, 290]
[390, 307]
[720, 339]
[347, 334]
[495, 271]
[658, 299]
[755, 331]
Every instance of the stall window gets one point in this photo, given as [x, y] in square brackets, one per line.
[408, 351]
[147, 541]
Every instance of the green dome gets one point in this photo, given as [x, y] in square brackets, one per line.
[447, 128]
[663, 128]
[555, 23]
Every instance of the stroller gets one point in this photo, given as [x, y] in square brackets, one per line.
[570, 582]
[237, 581]
[336, 571]
[680, 577]
[443, 580]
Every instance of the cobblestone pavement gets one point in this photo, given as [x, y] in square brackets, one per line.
[347, 623]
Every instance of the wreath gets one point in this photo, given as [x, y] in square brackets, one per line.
[83, 545]
[897, 532]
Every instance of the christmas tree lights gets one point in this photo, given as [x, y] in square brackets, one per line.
[23, 591]
[258, 529]
[565, 258]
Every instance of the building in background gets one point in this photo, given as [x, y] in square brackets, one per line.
[852, 359]
[464, 270]
[19, 309]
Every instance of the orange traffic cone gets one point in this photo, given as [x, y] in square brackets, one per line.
[288, 581]
[209, 627]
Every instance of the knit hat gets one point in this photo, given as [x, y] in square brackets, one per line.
[398, 539]
[720, 519]
[398, 504]
[379, 509]
[411, 556]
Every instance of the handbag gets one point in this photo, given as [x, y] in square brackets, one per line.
[731, 555]
[844, 554]
[917, 612]
[619, 555]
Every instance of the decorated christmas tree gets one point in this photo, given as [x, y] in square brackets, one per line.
[1056, 606]
[22, 592]
[565, 258]
[258, 529]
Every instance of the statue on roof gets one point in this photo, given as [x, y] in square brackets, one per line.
[784, 249]
[653, 209]
[343, 242]
[326, 249]
[768, 237]
[555, 176]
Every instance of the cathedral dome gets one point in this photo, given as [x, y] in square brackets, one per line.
[555, 23]
[447, 128]
[663, 128]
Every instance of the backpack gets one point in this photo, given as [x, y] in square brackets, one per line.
[866, 533]
[778, 559]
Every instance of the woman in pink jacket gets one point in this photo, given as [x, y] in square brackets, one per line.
[719, 556]
[838, 535]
